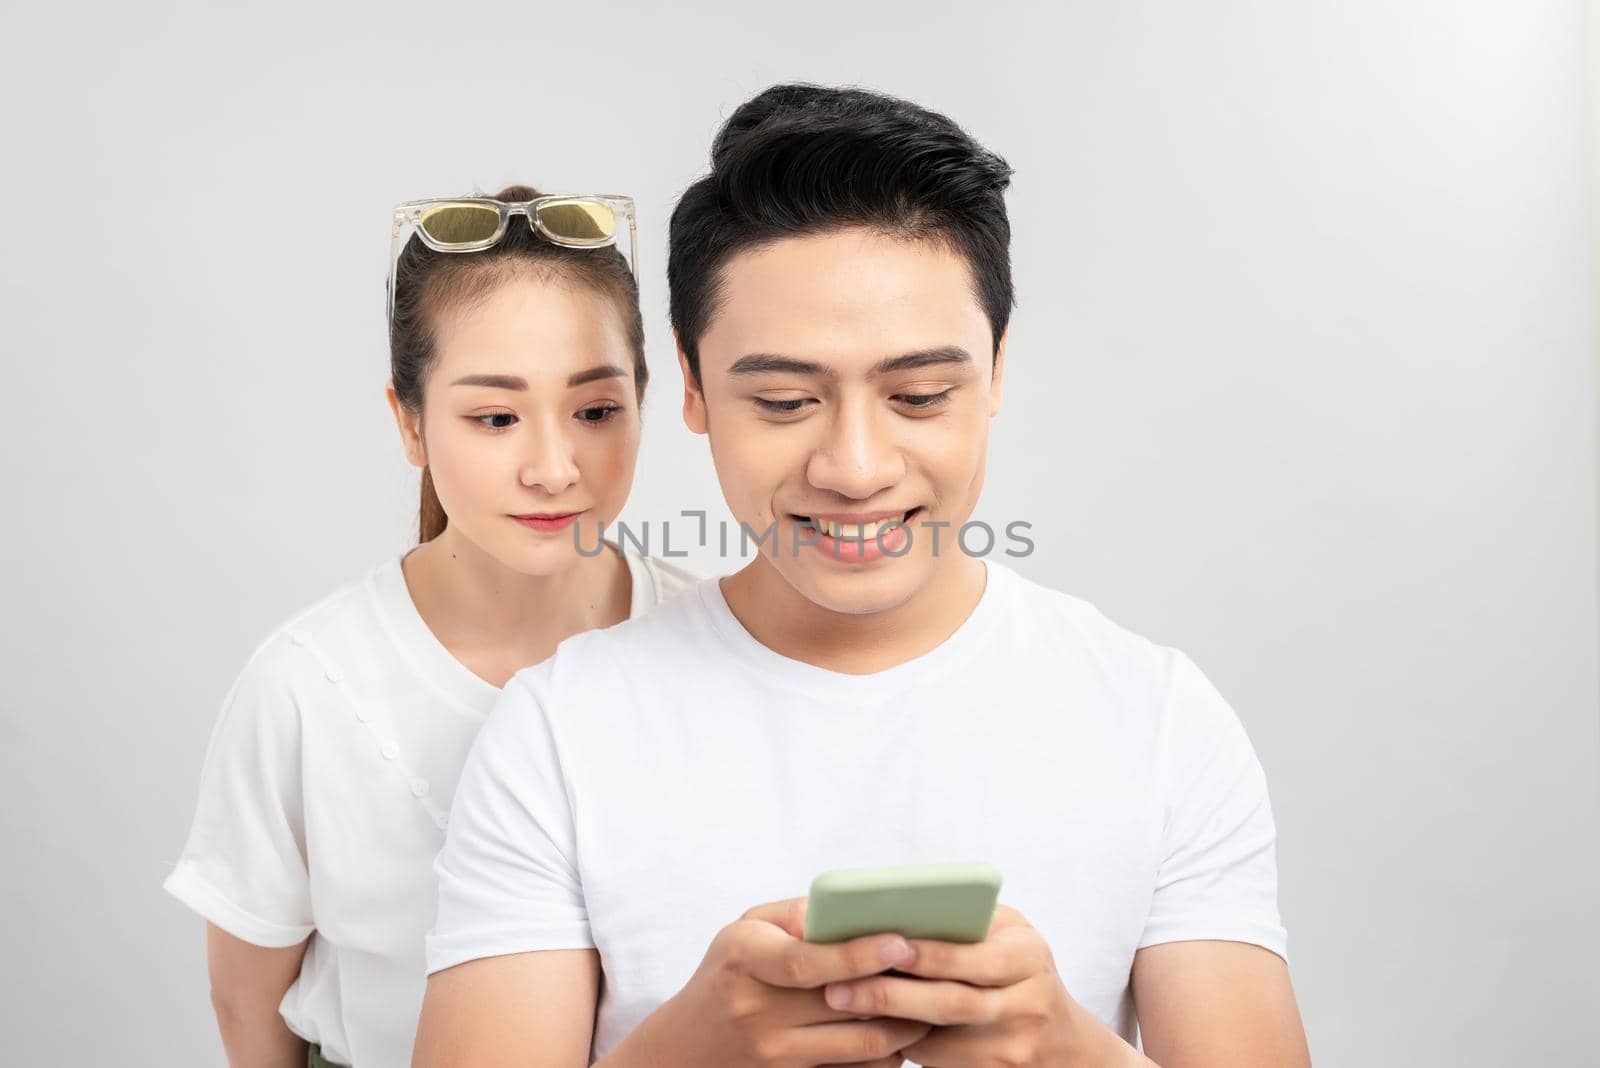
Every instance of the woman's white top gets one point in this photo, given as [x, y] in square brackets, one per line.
[324, 797]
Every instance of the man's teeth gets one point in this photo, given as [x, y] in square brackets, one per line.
[857, 531]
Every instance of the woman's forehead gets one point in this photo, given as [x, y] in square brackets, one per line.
[532, 327]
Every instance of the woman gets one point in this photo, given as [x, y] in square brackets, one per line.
[517, 364]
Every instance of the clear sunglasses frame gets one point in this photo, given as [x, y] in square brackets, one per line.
[410, 213]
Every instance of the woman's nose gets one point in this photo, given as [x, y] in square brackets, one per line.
[550, 462]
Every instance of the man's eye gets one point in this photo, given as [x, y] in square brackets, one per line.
[923, 400]
[496, 420]
[781, 405]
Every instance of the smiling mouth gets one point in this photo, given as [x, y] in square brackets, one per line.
[864, 531]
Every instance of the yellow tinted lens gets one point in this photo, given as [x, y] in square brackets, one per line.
[460, 224]
[578, 220]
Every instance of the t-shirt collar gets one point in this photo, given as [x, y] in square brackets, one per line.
[955, 652]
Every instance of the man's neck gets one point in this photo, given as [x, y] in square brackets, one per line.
[784, 620]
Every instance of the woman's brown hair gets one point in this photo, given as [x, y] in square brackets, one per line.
[427, 282]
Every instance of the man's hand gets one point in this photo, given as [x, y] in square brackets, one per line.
[756, 999]
[993, 1003]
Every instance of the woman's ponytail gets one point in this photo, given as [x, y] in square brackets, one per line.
[432, 520]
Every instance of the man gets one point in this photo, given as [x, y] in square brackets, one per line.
[640, 811]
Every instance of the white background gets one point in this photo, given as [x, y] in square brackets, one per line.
[1302, 381]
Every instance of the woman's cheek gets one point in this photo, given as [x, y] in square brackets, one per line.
[613, 461]
[467, 467]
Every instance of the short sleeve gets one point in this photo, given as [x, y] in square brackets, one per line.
[1218, 875]
[508, 872]
[244, 865]
[668, 579]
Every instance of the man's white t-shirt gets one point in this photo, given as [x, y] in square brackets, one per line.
[324, 797]
[649, 783]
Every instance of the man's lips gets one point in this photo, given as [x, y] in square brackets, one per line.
[860, 537]
[855, 518]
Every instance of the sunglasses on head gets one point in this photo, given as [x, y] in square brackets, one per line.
[471, 224]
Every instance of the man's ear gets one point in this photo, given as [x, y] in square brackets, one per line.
[999, 372]
[410, 425]
[694, 398]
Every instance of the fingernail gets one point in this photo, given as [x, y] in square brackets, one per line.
[838, 995]
[897, 951]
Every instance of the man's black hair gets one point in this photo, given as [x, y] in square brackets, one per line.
[805, 159]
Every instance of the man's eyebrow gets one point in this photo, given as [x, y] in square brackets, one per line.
[516, 382]
[758, 363]
[773, 363]
[910, 361]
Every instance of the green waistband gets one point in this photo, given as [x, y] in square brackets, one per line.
[314, 1058]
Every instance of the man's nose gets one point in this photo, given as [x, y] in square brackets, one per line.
[858, 456]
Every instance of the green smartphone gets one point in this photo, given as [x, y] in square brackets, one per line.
[947, 902]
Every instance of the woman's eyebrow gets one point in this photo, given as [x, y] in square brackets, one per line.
[520, 384]
[493, 381]
[595, 374]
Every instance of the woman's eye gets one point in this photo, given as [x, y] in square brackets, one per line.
[496, 420]
[599, 413]
[793, 405]
[923, 400]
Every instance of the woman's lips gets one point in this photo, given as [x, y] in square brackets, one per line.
[547, 521]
